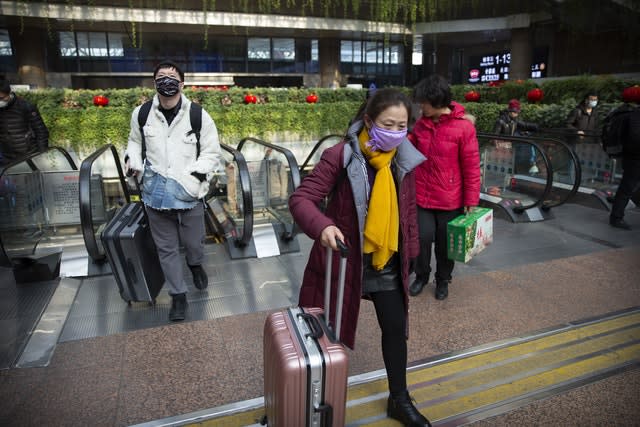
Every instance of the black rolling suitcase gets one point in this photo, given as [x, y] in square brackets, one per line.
[132, 254]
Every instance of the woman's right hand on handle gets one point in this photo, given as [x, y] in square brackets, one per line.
[329, 235]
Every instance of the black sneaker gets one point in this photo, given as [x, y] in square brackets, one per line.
[178, 307]
[200, 278]
[401, 408]
[619, 223]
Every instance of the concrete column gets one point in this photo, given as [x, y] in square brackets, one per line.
[29, 51]
[521, 51]
[329, 57]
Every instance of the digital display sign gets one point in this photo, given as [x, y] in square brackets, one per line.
[495, 67]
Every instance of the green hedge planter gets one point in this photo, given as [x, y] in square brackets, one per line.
[75, 123]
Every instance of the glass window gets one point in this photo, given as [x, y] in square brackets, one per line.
[346, 51]
[314, 50]
[357, 52]
[416, 56]
[284, 49]
[371, 49]
[98, 44]
[82, 40]
[395, 53]
[5, 43]
[259, 49]
[67, 44]
[115, 44]
[91, 44]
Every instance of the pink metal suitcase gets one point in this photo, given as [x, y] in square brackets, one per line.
[305, 365]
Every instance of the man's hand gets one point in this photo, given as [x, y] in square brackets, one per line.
[128, 171]
[199, 176]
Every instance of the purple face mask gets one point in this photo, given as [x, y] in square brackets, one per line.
[384, 139]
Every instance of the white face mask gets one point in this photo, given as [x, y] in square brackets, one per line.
[593, 104]
[3, 103]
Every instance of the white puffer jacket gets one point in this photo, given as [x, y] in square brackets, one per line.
[171, 151]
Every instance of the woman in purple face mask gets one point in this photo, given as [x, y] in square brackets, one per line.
[369, 180]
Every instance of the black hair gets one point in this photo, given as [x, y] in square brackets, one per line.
[590, 93]
[381, 100]
[433, 89]
[5, 86]
[169, 64]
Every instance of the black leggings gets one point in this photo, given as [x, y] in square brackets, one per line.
[390, 311]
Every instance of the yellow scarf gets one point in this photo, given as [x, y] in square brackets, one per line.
[383, 221]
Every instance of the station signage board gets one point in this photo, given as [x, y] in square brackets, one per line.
[495, 67]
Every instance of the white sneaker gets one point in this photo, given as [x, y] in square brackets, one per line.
[533, 169]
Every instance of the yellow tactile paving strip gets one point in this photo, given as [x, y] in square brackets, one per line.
[468, 384]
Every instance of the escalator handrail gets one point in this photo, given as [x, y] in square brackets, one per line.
[591, 137]
[5, 260]
[28, 158]
[247, 195]
[293, 167]
[576, 162]
[84, 198]
[545, 160]
[316, 147]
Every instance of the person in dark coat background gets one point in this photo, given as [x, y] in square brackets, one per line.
[22, 130]
[370, 183]
[584, 117]
[509, 124]
[627, 129]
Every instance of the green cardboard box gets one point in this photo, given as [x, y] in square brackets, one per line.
[469, 234]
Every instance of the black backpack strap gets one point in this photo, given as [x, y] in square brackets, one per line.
[195, 115]
[142, 120]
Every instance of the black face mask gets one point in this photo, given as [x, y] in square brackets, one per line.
[167, 86]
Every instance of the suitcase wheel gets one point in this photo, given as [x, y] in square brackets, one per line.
[263, 420]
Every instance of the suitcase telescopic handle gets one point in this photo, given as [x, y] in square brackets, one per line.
[344, 251]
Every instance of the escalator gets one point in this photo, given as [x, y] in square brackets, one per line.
[510, 183]
[229, 214]
[316, 152]
[600, 176]
[39, 220]
[39, 216]
[274, 175]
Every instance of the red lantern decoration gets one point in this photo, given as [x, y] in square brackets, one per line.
[631, 94]
[535, 95]
[312, 98]
[100, 101]
[472, 96]
[250, 99]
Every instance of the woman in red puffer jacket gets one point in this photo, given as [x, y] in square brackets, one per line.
[448, 182]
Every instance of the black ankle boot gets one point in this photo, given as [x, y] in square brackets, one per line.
[442, 289]
[416, 287]
[200, 279]
[400, 407]
[178, 307]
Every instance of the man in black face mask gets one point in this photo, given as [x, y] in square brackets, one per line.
[175, 178]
